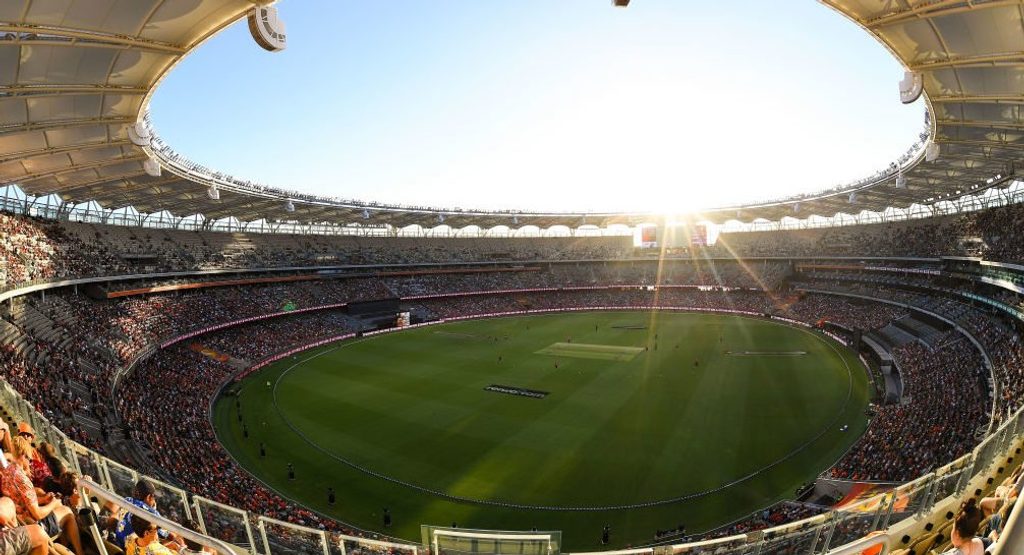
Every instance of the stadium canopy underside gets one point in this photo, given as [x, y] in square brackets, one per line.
[77, 75]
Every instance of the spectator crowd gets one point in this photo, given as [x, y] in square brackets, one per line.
[65, 351]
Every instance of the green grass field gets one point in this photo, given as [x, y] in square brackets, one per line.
[631, 416]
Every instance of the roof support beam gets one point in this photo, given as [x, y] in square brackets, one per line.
[21, 155]
[192, 205]
[65, 124]
[948, 175]
[932, 10]
[1011, 58]
[35, 91]
[987, 151]
[1011, 146]
[125, 180]
[79, 37]
[979, 99]
[77, 168]
[1007, 125]
[894, 196]
[983, 157]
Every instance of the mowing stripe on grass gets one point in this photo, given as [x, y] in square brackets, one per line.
[619, 353]
[456, 335]
[766, 353]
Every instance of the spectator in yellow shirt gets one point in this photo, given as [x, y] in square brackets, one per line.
[145, 540]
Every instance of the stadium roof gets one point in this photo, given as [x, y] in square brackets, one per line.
[77, 76]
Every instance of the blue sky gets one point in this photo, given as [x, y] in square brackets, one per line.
[668, 105]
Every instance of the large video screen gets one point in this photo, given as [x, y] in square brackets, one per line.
[649, 236]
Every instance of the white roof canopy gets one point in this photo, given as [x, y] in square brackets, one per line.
[76, 74]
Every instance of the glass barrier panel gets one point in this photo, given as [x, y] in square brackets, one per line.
[455, 541]
[734, 545]
[351, 545]
[224, 523]
[1005, 438]
[105, 497]
[122, 478]
[1009, 435]
[42, 427]
[25, 410]
[801, 538]
[51, 432]
[907, 500]
[7, 397]
[986, 453]
[948, 479]
[283, 538]
[747, 549]
[172, 503]
[87, 463]
[1011, 426]
[63, 446]
[855, 523]
[15, 404]
[33, 418]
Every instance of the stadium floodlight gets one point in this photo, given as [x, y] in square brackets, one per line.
[911, 87]
[289, 206]
[213, 192]
[267, 29]
[931, 152]
[152, 167]
[139, 134]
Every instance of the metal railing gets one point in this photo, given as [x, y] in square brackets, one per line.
[91, 489]
[1011, 541]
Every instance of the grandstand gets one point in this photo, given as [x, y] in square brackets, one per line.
[124, 333]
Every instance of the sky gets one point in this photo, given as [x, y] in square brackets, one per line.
[667, 106]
